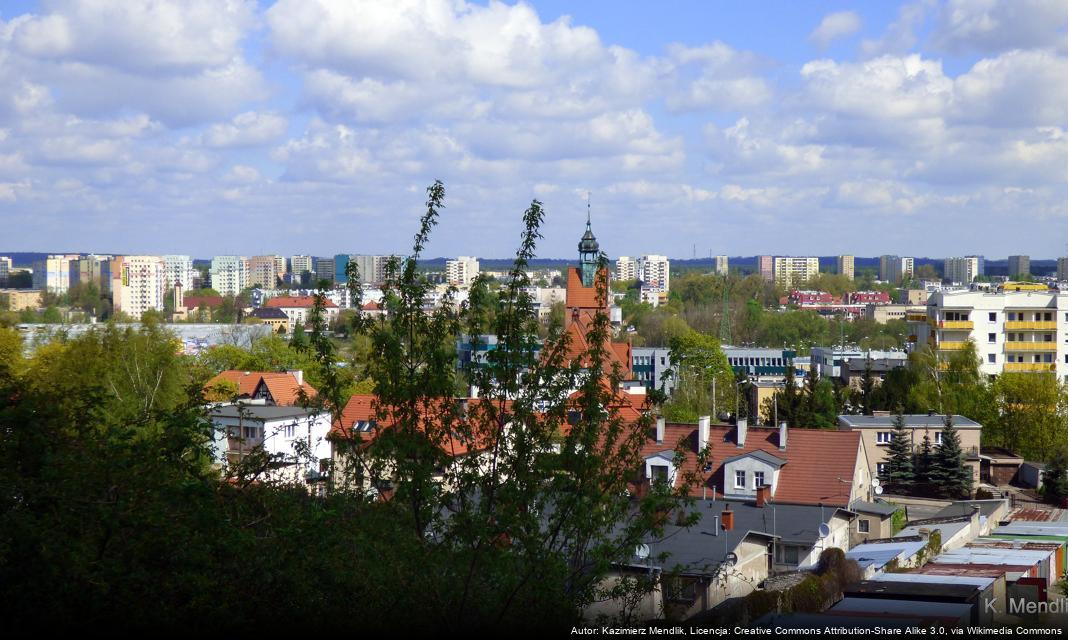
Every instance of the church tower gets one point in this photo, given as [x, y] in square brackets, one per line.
[589, 253]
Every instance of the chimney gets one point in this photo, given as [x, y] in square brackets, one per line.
[298, 374]
[703, 424]
[743, 428]
[728, 519]
[762, 495]
[782, 436]
[659, 429]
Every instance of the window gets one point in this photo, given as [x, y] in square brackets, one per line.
[758, 479]
[660, 473]
[880, 469]
[991, 358]
[991, 337]
[993, 317]
[938, 437]
[787, 554]
[884, 437]
[739, 479]
[289, 431]
[250, 432]
[863, 526]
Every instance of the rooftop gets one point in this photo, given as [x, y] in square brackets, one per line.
[912, 421]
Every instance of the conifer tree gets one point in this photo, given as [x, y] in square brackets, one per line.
[923, 464]
[951, 476]
[900, 473]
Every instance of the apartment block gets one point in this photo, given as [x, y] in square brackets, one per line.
[766, 268]
[263, 272]
[961, 270]
[1019, 266]
[895, 269]
[324, 269]
[372, 268]
[91, 269]
[462, 271]
[229, 274]
[300, 264]
[1014, 331]
[5, 269]
[721, 265]
[178, 270]
[655, 273]
[792, 271]
[845, 266]
[138, 284]
[53, 273]
[19, 299]
[626, 268]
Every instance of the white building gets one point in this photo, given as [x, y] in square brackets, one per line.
[792, 271]
[178, 269]
[53, 273]
[655, 273]
[845, 266]
[895, 268]
[626, 268]
[229, 274]
[961, 270]
[139, 285]
[722, 267]
[298, 308]
[294, 436]
[1013, 331]
[462, 271]
[300, 264]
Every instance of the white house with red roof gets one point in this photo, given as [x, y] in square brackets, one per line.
[298, 308]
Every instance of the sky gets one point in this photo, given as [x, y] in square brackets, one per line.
[314, 126]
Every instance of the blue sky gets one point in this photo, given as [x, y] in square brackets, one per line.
[312, 126]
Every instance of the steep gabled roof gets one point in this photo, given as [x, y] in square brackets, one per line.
[283, 387]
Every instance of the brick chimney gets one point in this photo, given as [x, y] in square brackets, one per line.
[782, 436]
[659, 429]
[762, 495]
[743, 428]
[703, 425]
[727, 517]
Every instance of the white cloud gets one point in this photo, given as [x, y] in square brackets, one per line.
[834, 26]
[247, 129]
[991, 26]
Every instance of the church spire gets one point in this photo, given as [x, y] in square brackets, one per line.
[589, 250]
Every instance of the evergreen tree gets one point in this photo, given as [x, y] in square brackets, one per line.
[1055, 476]
[867, 389]
[951, 476]
[924, 464]
[900, 474]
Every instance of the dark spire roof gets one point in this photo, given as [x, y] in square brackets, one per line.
[588, 244]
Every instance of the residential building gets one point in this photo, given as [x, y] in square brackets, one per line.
[462, 271]
[766, 268]
[324, 269]
[5, 269]
[883, 313]
[961, 270]
[828, 362]
[284, 388]
[913, 297]
[91, 269]
[1062, 269]
[19, 299]
[721, 266]
[655, 273]
[867, 297]
[758, 363]
[276, 319]
[652, 367]
[1019, 267]
[229, 274]
[280, 267]
[792, 271]
[372, 268]
[878, 432]
[895, 269]
[178, 269]
[302, 264]
[53, 273]
[626, 268]
[845, 266]
[1013, 330]
[298, 309]
[137, 286]
[263, 272]
[294, 436]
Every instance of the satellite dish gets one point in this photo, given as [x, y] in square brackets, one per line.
[642, 551]
[878, 491]
[824, 530]
[875, 482]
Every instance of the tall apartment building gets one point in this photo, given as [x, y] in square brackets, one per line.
[300, 264]
[626, 268]
[766, 268]
[962, 270]
[324, 269]
[179, 269]
[462, 271]
[91, 269]
[5, 270]
[138, 284]
[53, 273]
[845, 266]
[655, 273]
[263, 272]
[1018, 331]
[229, 274]
[1019, 266]
[1062, 269]
[721, 266]
[280, 266]
[895, 269]
[791, 271]
[372, 268]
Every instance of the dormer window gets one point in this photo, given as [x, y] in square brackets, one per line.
[660, 468]
[660, 473]
[739, 479]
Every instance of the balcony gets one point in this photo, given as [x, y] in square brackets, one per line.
[1030, 367]
[1020, 325]
[1031, 346]
[956, 325]
[951, 346]
[916, 317]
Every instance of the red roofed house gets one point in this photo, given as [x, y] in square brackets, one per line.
[299, 308]
[274, 388]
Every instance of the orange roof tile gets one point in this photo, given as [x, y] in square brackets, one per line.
[282, 386]
[581, 296]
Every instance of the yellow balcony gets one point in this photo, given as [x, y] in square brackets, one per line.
[951, 346]
[1030, 367]
[916, 317]
[1031, 346]
[956, 324]
[1019, 325]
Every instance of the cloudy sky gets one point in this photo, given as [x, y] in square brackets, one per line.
[314, 126]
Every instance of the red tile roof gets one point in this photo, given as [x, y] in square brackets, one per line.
[208, 302]
[282, 386]
[815, 459]
[305, 302]
[581, 296]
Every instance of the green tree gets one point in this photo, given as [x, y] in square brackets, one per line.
[1055, 475]
[900, 474]
[925, 465]
[949, 473]
[867, 389]
[697, 360]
